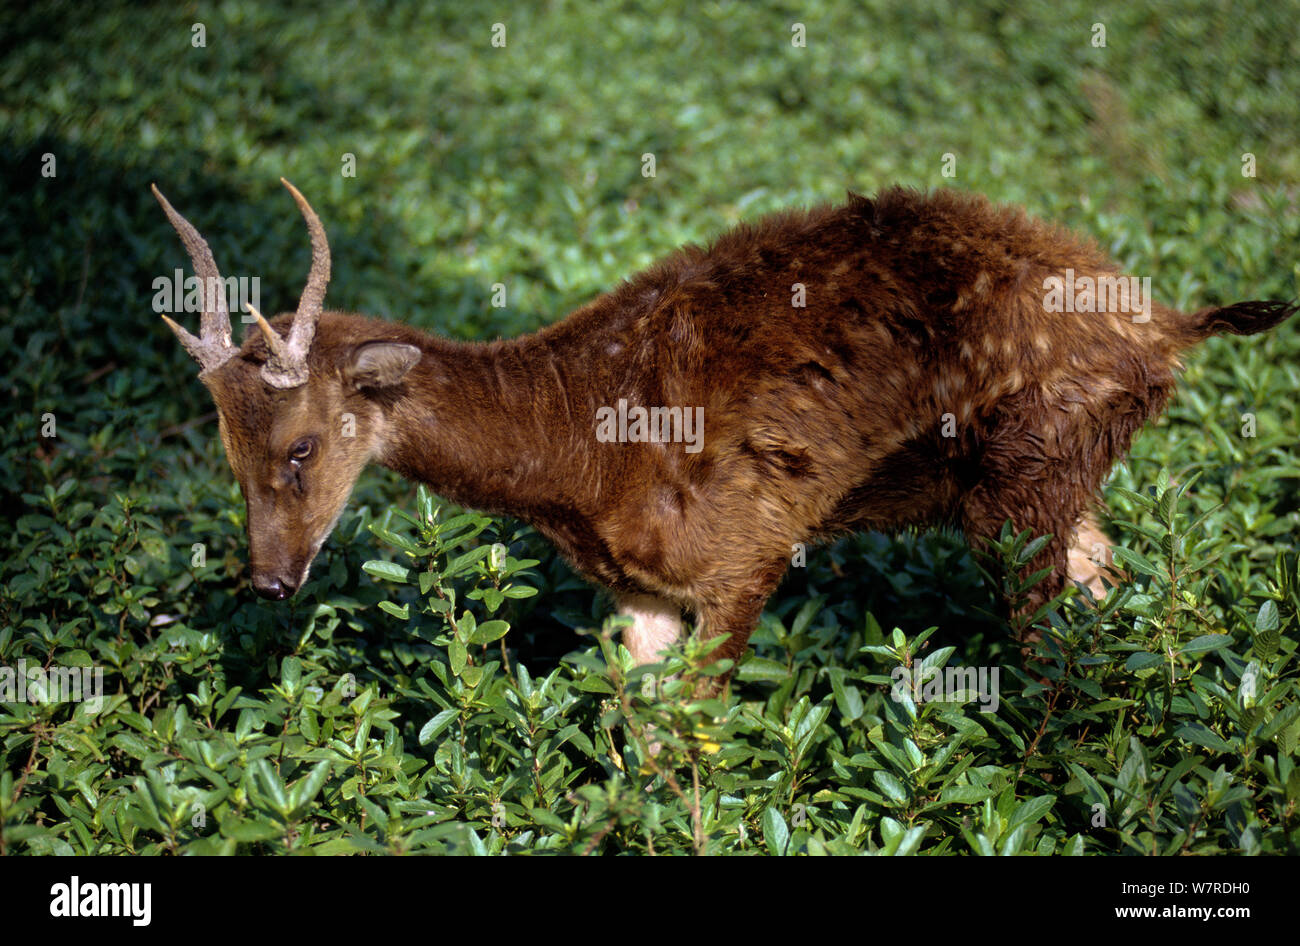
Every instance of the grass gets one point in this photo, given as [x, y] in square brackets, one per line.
[386, 708]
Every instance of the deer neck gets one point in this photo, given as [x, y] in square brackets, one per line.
[487, 426]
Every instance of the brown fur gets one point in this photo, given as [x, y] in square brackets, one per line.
[818, 420]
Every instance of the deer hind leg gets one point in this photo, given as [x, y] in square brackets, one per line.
[734, 615]
[987, 507]
[656, 624]
[1089, 558]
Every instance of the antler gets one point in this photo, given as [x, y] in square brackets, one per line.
[287, 365]
[212, 349]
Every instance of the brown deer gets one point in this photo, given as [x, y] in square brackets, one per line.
[907, 360]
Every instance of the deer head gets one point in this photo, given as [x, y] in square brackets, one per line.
[300, 407]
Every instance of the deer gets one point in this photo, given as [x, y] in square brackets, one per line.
[907, 360]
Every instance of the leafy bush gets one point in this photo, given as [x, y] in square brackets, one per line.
[1143, 727]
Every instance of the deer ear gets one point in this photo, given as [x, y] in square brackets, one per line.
[380, 364]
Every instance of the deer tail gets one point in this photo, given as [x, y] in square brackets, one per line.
[1240, 318]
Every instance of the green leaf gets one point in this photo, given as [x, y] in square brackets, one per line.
[1093, 793]
[251, 832]
[290, 674]
[1012, 841]
[403, 613]
[308, 725]
[463, 562]
[489, 631]
[1140, 499]
[1141, 660]
[1202, 736]
[964, 794]
[890, 785]
[386, 571]
[761, 668]
[848, 699]
[1103, 706]
[457, 655]
[909, 841]
[1206, 642]
[1136, 561]
[807, 612]
[272, 785]
[1284, 718]
[775, 832]
[434, 727]
[306, 790]
[1030, 810]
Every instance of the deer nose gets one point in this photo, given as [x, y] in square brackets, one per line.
[271, 588]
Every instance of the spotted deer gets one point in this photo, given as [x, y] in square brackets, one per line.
[907, 360]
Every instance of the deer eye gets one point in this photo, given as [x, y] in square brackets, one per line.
[301, 451]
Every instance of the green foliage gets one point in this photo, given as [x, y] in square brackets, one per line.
[1144, 725]
[437, 699]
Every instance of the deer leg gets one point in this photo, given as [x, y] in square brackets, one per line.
[1089, 558]
[735, 616]
[656, 624]
[987, 508]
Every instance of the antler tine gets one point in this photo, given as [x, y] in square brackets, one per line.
[192, 345]
[276, 345]
[212, 348]
[313, 295]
